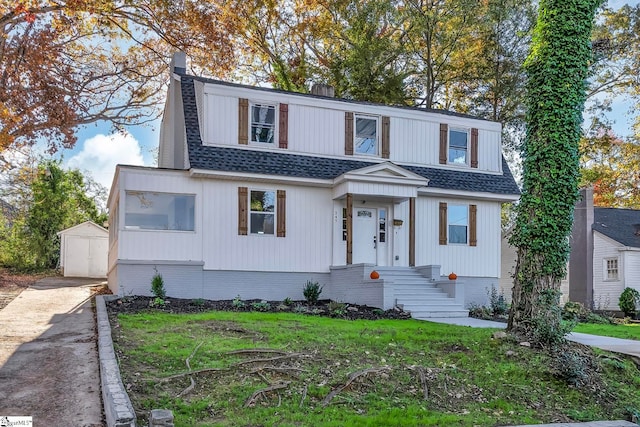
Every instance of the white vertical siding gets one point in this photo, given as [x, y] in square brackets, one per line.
[316, 126]
[631, 262]
[339, 251]
[160, 245]
[316, 130]
[400, 234]
[306, 247]
[606, 292]
[482, 260]
[220, 121]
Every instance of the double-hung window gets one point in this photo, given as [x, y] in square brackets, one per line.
[263, 123]
[366, 138]
[611, 268]
[458, 146]
[458, 221]
[262, 212]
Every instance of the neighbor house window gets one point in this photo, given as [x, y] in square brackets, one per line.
[458, 221]
[263, 123]
[262, 211]
[611, 268]
[146, 210]
[366, 140]
[458, 146]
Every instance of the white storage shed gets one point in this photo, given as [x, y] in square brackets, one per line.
[84, 250]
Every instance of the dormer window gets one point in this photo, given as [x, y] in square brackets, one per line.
[366, 135]
[458, 146]
[263, 123]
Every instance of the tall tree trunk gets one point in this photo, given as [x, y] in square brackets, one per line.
[557, 71]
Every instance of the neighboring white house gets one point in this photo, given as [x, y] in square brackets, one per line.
[605, 255]
[83, 250]
[604, 258]
[260, 190]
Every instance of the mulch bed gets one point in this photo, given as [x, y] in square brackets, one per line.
[136, 304]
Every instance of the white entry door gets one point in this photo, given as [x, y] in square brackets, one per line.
[365, 235]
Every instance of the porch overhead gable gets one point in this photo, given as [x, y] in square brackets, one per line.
[382, 179]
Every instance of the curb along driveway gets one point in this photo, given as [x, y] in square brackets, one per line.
[48, 357]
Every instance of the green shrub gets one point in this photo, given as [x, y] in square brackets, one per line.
[629, 302]
[157, 286]
[311, 292]
[574, 311]
[198, 302]
[287, 301]
[261, 306]
[337, 309]
[497, 302]
[237, 302]
[300, 309]
[596, 318]
[572, 366]
[157, 302]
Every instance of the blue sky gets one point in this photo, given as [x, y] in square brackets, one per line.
[99, 150]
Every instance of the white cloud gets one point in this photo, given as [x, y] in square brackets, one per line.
[101, 153]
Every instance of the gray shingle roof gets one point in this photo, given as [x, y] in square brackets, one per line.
[620, 225]
[302, 166]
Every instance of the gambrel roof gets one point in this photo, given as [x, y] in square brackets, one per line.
[228, 159]
[621, 225]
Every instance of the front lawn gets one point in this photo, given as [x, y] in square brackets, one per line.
[629, 331]
[262, 369]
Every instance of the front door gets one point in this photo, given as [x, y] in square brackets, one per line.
[365, 235]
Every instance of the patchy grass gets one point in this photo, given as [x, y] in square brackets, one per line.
[251, 369]
[629, 331]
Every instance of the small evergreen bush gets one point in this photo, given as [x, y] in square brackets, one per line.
[311, 292]
[629, 302]
[157, 286]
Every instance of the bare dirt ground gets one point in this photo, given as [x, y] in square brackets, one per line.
[12, 284]
[48, 354]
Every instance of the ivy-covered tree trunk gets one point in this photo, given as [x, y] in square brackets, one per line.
[556, 70]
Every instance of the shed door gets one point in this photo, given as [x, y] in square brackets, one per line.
[85, 256]
[76, 256]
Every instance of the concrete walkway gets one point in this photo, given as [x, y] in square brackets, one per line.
[616, 345]
[48, 357]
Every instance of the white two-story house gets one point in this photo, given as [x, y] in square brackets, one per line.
[260, 190]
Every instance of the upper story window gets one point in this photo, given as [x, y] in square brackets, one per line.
[611, 269]
[458, 146]
[458, 220]
[262, 212]
[366, 140]
[145, 210]
[263, 123]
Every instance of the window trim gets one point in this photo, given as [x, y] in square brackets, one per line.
[467, 157]
[377, 119]
[467, 226]
[274, 213]
[276, 123]
[605, 268]
[126, 227]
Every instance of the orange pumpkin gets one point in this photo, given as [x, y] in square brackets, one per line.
[453, 276]
[374, 275]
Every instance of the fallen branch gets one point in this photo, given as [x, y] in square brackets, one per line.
[256, 350]
[423, 381]
[193, 383]
[304, 395]
[351, 379]
[270, 359]
[254, 397]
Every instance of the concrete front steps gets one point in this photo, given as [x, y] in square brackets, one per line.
[420, 295]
